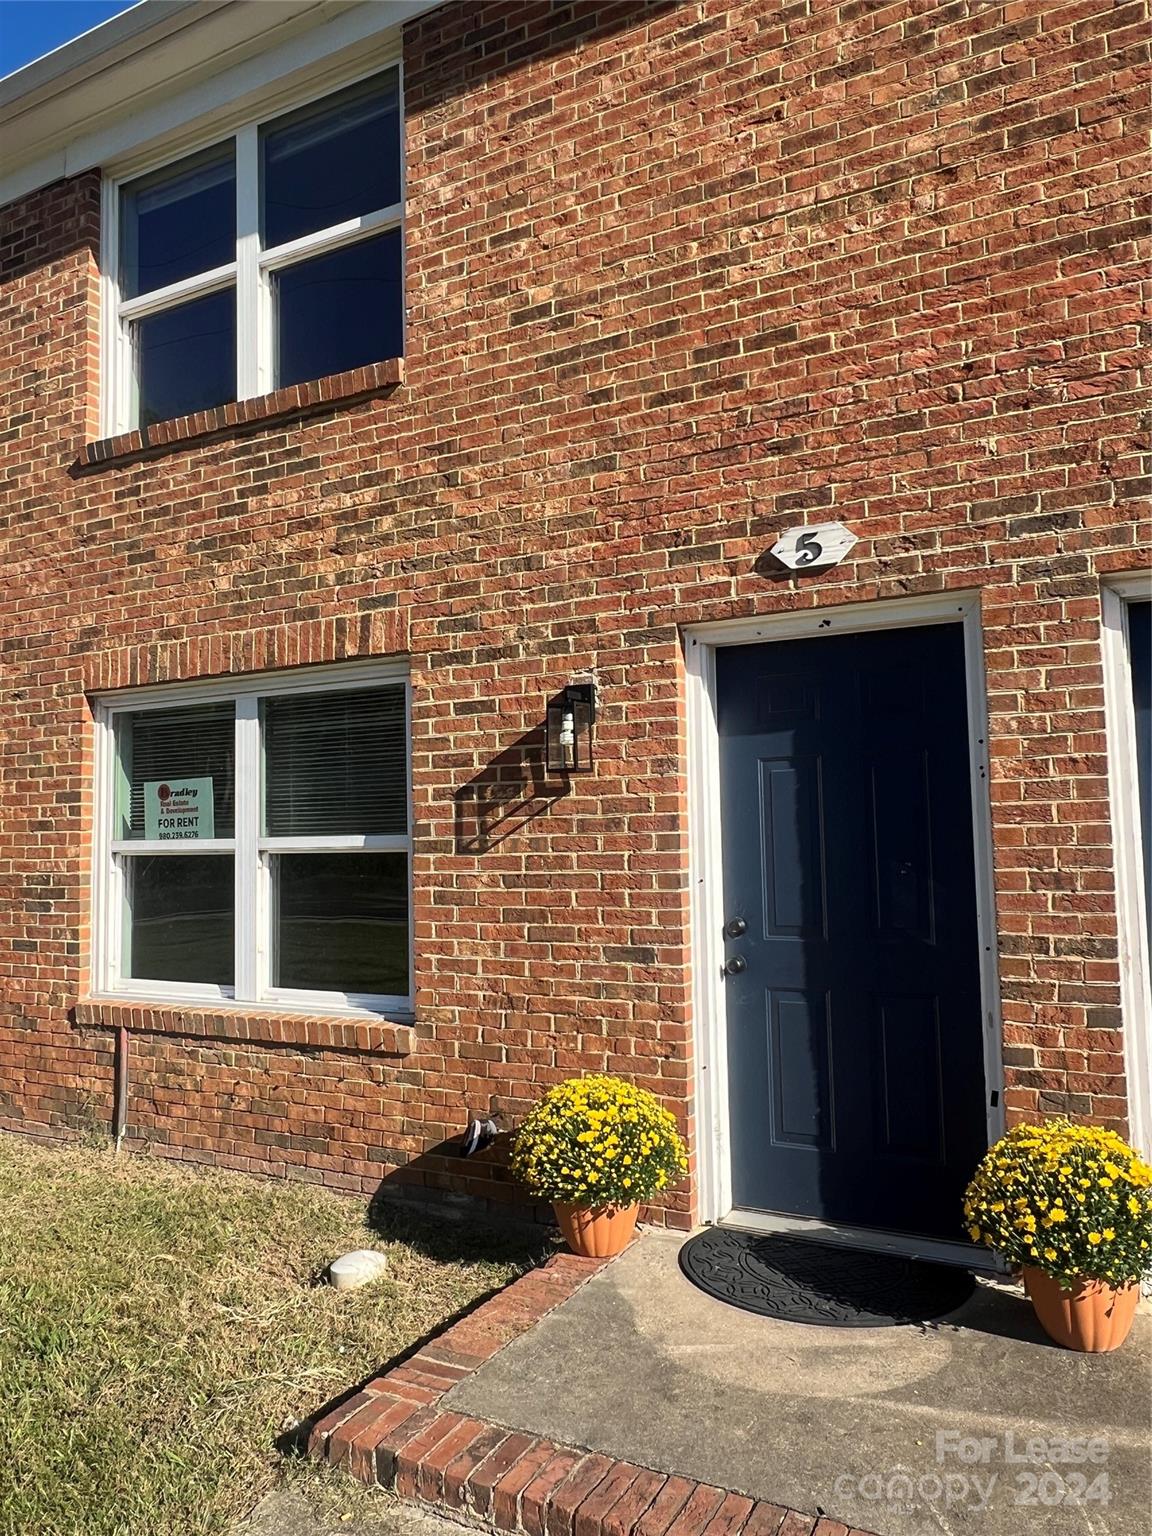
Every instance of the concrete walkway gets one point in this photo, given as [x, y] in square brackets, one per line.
[292, 1514]
[875, 1427]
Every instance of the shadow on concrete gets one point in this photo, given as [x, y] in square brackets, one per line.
[999, 1314]
[860, 1424]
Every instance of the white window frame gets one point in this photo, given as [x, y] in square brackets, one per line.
[1128, 847]
[252, 852]
[250, 274]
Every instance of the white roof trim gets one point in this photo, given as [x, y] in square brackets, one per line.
[95, 49]
[162, 74]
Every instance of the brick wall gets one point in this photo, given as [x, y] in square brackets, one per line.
[679, 275]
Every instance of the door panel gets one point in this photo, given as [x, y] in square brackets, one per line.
[902, 845]
[911, 1098]
[800, 1068]
[855, 1046]
[791, 815]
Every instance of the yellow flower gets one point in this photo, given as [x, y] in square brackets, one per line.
[1094, 1239]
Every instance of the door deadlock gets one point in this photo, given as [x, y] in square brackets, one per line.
[736, 928]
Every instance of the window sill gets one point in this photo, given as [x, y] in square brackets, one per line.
[238, 416]
[250, 1026]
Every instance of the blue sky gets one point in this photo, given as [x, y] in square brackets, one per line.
[29, 28]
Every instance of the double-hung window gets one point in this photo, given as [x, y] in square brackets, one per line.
[270, 258]
[255, 843]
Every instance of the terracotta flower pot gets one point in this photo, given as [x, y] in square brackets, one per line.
[598, 1234]
[1092, 1316]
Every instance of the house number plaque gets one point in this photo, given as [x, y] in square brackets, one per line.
[804, 549]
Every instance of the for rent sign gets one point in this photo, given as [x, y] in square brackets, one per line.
[178, 808]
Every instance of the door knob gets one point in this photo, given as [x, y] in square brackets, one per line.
[736, 928]
[735, 965]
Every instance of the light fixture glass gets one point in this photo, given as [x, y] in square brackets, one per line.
[571, 716]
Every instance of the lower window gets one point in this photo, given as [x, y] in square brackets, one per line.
[256, 843]
[340, 924]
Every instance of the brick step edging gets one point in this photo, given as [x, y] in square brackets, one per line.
[394, 1432]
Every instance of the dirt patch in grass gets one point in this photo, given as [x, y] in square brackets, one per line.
[159, 1329]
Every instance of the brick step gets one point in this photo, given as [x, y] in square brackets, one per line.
[395, 1431]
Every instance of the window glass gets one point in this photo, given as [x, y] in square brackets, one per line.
[341, 922]
[324, 913]
[180, 920]
[186, 357]
[334, 160]
[178, 222]
[336, 763]
[188, 752]
[340, 311]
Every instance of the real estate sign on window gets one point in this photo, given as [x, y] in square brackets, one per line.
[178, 808]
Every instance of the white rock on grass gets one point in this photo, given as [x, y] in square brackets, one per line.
[351, 1270]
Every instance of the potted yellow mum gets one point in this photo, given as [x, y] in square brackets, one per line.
[1070, 1207]
[596, 1147]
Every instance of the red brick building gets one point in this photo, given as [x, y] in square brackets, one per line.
[372, 374]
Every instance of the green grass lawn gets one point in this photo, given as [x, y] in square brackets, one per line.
[160, 1327]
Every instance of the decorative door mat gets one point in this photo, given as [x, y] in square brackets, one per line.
[802, 1281]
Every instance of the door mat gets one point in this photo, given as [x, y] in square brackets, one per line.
[802, 1281]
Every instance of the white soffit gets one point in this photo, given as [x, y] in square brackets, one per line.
[167, 72]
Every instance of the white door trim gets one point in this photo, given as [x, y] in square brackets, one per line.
[701, 642]
[1127, 844]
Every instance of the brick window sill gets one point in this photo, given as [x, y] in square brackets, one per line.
[238, 416]
[249, 1026]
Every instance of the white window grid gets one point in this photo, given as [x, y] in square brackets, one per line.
[251, 273]
[251, 850]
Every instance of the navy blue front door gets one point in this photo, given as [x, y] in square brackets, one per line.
[1140, 658]
[856, 1066]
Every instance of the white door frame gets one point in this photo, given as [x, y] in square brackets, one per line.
[1128, 847]
[701, 642]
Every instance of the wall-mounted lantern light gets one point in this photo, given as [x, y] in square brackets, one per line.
[571, 716]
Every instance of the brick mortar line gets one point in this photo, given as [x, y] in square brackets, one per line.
[478, 1472]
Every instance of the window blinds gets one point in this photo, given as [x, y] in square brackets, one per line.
[336, 763]
[195, 742]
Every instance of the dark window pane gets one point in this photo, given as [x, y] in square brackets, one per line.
[186, 357]
[334, 160]
[165, 746]
[180, 920]
[340, 311]
[178, 222]
[341, 922]
[336, 763]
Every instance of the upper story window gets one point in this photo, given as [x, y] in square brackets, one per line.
[268, 259]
